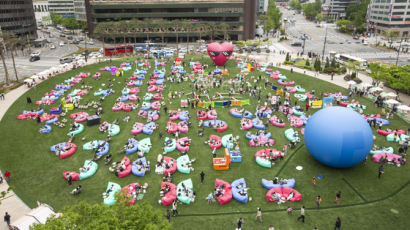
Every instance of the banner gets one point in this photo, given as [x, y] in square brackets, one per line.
[317, 104]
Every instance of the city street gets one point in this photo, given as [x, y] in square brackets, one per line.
[336, 41]
[48, 57]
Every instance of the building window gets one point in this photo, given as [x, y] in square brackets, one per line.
[399, 7]
[398, 13]
[398, 1]
[397, 19]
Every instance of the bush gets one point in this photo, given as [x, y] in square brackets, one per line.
[288, 62]
[343, 70]
[347, 77]
[353, 76]
[328, 70]
[308, 67]
[282, 31]
[267, 50]
[258, 50]
[307, 62]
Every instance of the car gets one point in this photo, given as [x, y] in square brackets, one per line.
[61, 43]
[66, 60]
[81, 38]
[76, 42]
[356, 37]
[35, 53]
[70, 37]
[200, 41]
[62, 35]
[34, 58]
[90, 43]
[365, 43]
[296, 44]
[52, 46]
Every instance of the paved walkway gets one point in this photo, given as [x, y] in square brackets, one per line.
[17, 208]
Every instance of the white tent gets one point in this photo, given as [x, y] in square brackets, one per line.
[365, 85]
[391, 94]
[403, 108]
[375, 89]
[392, 102]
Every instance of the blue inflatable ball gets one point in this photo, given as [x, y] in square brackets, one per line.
[338, 137]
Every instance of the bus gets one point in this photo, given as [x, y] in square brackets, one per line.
[345, 58]
[121, 49]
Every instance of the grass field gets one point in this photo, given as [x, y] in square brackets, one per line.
[366, 201]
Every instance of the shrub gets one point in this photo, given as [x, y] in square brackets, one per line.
[288, 62]
[308, 67]
[307, 62]
[343, 70]
[353, 76]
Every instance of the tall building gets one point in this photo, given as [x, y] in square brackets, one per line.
[263, 6]
[389, 15]
[336, 9]
[18, 17]
[64, 8]
[239, 14]
[41, 12]
[79, 10]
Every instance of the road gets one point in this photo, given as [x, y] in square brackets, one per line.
[336, 41]
[48, 58]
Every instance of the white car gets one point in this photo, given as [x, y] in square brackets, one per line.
[61, 44]
[52, 47]
[35, 53]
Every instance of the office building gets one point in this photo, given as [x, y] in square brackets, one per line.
[263, 6]
[64, 8]
[239, 14]
[389, 15]
[79, 10]
[41, 12]
[18, 17]
[336, 9]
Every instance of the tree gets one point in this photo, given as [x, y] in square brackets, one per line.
[188, 27]
[3, 59]
[100, 216]
[4, 193]
[377, 71]
[312, 9]
[319, 17]
[287, 57]
[344, 25]
[10, 42]
[317, 65]
[56, 18]
[307, 63]
[224, 27]
[390, 35]
[333, 64]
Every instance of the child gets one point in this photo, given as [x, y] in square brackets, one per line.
[313, 181]
[290, 210]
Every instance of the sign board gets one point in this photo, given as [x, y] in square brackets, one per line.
[317, 104]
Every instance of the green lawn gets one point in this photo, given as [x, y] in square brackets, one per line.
[365, 203]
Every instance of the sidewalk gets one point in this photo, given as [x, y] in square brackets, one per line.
[277, 58]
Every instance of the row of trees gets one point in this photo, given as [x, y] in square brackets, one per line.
[312, 10]
[272, 18]
[355, 17]
[295, 4]
[69, 23]
[129, 30]
[396, 77]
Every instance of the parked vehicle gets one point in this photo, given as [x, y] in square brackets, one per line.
[34, 58]
[66, 60]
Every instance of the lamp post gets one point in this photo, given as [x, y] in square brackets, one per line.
[398, 52]
[324, 44]
[303, 47]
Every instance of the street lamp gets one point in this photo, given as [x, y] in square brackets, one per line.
[324, 44]
[303, 47]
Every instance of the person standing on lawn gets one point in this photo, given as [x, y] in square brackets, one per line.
[338, 223]
[202, 177]
[302, 214]
[338, 197]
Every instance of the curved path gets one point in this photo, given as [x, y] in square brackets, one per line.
[17, 208]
